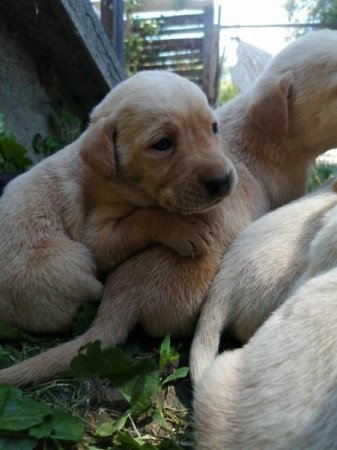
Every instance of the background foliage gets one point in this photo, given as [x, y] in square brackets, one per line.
[311, 11]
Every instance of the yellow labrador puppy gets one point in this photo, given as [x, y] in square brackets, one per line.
[144, 164]
[263, 266]
[272, 134]
[279, 391]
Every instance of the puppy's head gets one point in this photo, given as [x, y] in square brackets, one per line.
[296, 97]
[157, 133]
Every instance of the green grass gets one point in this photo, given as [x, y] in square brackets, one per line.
[319, 174]
[137, 397]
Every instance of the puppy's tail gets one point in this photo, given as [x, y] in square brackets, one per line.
[41, 367]
[215, 316]
[111, 327]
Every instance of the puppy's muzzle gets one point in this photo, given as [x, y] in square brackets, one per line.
[220, 186]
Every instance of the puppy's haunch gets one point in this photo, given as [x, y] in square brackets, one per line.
[279, 391]
[128, 182]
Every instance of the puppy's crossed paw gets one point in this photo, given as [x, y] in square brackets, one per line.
[191, 238]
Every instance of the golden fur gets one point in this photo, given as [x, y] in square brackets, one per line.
[272, 134]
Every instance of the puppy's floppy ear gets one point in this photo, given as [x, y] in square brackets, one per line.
[97, 147]
[270, 111]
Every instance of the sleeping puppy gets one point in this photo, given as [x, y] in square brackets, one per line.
[264, 265]
[149, 163]
[272, 133]
[279, 391]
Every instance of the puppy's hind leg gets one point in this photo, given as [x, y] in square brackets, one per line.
[43, 292]
[114, 320]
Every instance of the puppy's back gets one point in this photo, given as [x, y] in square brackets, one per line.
[279, 391]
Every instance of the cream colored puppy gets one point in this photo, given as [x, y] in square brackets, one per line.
[280, 390]
[273, 134]
[264, 265]
[150, 156]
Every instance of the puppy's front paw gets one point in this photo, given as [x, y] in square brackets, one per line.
[191, 237]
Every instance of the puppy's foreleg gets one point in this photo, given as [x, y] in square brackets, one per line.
[113, 241]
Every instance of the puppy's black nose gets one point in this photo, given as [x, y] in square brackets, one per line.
[216, 187]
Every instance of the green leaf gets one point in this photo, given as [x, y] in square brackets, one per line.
[18, 411]
[84, 318]
[3, 131]
[66, 426]
[17, 443]
[8, 331]
[130, 443]
[43, 429]
[119, 423]
[13, 155]
[6, 359]
[176, 375]
[145, 388]
[167, 355]
[11, 148]
[93, 361]
[159, 418]
[9, 167]
[105, 429]
[61, 425]
[2, 124]
[165, 350]
[109, 428]
[50, 146]
[138, 381]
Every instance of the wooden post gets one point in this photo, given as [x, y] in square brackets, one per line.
[211, 55]
[106, 17]
[118, 27]
[112, 21]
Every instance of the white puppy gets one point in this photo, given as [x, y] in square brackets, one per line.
[262, 268]
[280, 390]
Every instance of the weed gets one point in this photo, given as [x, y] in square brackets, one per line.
[110, 399]
[13, 156]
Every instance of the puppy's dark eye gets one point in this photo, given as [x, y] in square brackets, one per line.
[215, 128]
[163, 145]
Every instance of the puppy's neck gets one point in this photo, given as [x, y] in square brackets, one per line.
[279, 165]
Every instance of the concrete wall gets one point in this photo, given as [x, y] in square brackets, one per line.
[24, 102]
[53, 53]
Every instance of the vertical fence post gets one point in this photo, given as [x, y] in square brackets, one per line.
[211, 55]
[106, 17]
[112, 21]
[118, 27]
